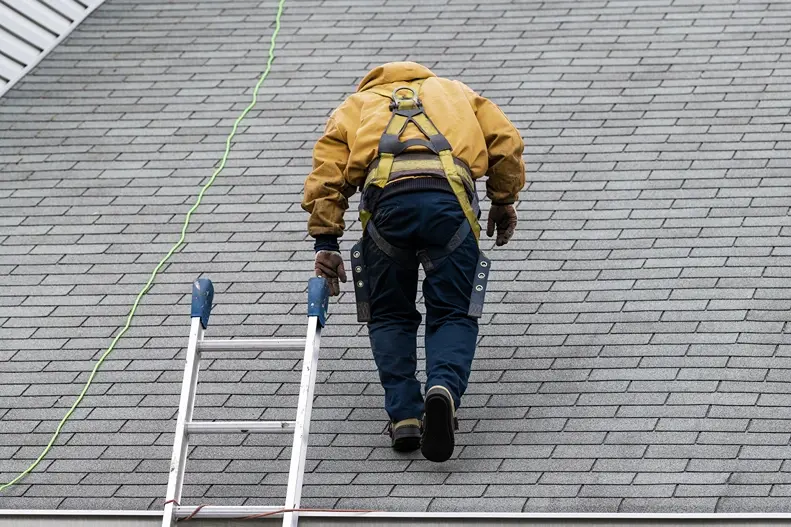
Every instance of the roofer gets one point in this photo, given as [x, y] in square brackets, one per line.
[418, 206]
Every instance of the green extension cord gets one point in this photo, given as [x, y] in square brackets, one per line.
[165, 259]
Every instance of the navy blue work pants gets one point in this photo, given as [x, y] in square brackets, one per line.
[414, 221]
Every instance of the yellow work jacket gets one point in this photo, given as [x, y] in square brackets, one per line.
[480, 134]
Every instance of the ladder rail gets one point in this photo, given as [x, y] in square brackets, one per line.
[299, 447]
[178, 460]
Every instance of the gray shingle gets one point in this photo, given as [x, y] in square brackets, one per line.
[484, 504]
[673, 505]
[579, 505]
[628, 491]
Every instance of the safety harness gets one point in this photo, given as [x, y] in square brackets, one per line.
[394, 163]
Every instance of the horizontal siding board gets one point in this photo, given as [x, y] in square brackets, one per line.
[9, 69]
[17, 49]
[30, 29]
[24, 28]
[68, 8]
[42, 14]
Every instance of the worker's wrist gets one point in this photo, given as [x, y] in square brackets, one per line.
[326, 242]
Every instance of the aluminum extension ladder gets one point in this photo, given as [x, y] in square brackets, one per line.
[202, 297]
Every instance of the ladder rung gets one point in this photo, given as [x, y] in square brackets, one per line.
[251, 344]
[219, 511]
[226, 427]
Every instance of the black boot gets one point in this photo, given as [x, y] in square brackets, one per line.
[439, 423]
[405, 435]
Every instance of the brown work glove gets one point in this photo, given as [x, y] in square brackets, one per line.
[504, 217]
[329, 265]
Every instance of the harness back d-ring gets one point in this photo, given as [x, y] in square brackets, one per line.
[400, 102]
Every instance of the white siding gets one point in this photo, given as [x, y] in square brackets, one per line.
[29, 29]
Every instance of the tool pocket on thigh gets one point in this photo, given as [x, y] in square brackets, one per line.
[361, 287]
[478, 294]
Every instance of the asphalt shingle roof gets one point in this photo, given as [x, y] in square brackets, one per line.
[634, 353]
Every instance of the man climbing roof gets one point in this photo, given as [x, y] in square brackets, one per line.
[413, 144]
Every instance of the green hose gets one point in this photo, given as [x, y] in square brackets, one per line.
[162, 262]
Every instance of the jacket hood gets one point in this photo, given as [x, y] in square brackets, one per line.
[394, 72]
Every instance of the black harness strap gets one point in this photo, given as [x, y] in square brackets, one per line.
[392, 144]
[402, 257]
[431, 259]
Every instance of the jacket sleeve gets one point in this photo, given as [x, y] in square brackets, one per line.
[506, 174]
[327, 193]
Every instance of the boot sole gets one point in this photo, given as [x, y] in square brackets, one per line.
[438, 443]
[407, 444]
